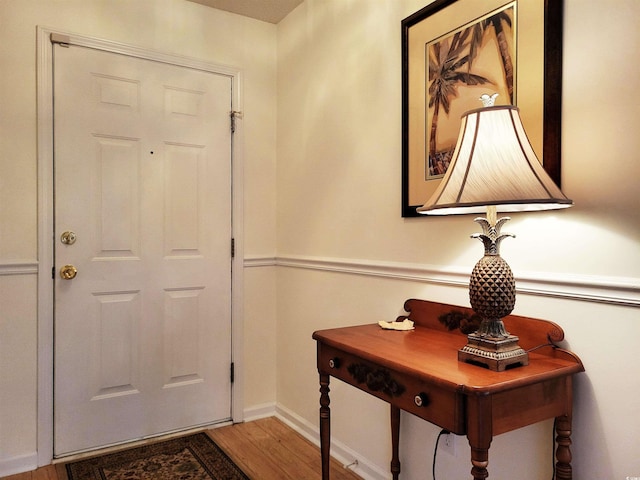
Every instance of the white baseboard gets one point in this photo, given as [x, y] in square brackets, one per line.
[345, 455]
[257, 412]
[19, 464]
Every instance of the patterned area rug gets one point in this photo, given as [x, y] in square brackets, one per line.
[195, 457]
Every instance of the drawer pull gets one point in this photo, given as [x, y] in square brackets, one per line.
[334, 363]
[421, 400]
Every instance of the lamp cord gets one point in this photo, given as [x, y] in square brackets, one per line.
[550, 344]
[435, 452]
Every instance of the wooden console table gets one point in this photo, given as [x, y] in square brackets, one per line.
[418, 371]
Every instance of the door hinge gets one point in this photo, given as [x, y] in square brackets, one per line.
[233, 373]
[233, 248]
[53, 272]
[234, 114]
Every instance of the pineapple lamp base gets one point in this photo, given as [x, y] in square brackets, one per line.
[492, 293]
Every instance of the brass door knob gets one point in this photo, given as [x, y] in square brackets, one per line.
[68, 272]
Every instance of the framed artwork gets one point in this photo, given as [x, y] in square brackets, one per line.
[454, 52]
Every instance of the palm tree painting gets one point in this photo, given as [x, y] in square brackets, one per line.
[462, 65]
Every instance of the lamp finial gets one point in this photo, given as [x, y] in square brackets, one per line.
[488, 100]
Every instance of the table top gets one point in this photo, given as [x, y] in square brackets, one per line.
[430, 352]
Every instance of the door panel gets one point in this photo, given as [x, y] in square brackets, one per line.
[143, 179]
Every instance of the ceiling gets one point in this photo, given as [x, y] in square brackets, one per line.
[271, 11]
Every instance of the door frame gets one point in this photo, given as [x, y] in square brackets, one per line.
[44, 84]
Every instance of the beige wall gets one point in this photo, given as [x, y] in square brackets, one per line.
[339, 144]
[327, 81]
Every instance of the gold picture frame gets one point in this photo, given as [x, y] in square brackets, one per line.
[451, 33]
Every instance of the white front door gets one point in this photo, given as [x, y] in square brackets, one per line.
[142, 155]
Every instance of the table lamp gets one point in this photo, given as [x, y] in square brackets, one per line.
[493, 167]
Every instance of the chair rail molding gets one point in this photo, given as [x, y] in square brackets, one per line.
[18, 267]
[621, 291]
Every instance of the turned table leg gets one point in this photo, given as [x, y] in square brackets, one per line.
[563, 450]
[480, 461]
[395, 440]
[325, 425]
[480, 434]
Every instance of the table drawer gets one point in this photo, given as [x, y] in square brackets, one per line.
[441, 407]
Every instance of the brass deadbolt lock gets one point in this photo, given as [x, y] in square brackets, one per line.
[68, 238]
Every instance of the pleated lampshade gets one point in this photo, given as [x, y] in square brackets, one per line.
[494, 164]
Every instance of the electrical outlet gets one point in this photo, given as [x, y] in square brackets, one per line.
[448, 444]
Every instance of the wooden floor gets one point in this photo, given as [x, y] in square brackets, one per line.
[265, 449]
